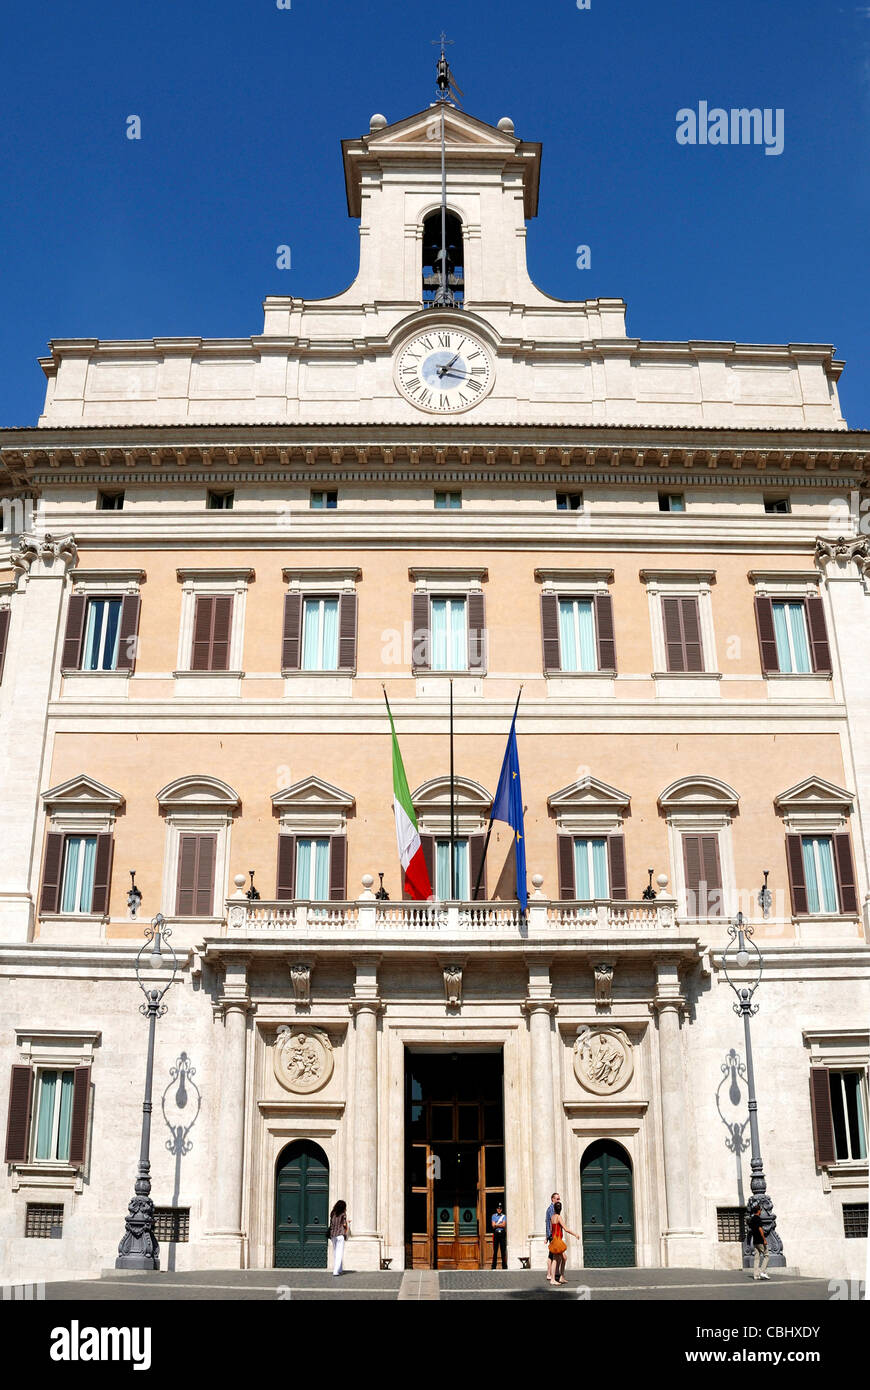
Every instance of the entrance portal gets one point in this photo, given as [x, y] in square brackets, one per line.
[454, 1158]
[301, 1206]
[608, 1206]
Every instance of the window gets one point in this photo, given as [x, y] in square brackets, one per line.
[212, 624]
[196, 875]
[312, 869]
[731, 1223]
[219, 501]
[818, 862]
[790, 629]
[590, 868]
[683, 644]
[703, 875]
[672, 502]
[777, 506]
[323, 501]
[77, 887]
[320, 634]
[110, 501]
[848, 1113]
[433, 272]
[44, 1221]
[449, 637]
[448, 501]
[53, 1115]
[577, 645]
[792, 634]
[855, 1220]
[171, 1225]
[102, 631]
[442, 870]
[569, 501]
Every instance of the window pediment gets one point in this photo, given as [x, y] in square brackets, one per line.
[814, 804]
[312, 792]
[198, 792]
[699, 794]
[432, 804]
[589, 804]
[82, 793]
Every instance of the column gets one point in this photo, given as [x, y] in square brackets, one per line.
[41, 563]
[365, 1247]
[539, 1006]
[680, 1243]
[227, 1236]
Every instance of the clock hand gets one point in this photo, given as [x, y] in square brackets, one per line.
[442, 371]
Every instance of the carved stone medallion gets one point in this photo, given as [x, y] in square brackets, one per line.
[603, 1060]
[303, 1059]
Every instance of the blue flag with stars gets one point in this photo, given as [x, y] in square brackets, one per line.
[508, 806]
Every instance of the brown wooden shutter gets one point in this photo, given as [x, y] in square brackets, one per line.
[475, 860]
[78, 1135]
[421, 635]
[205, 867]
[196, 862]
[128, 632]
[673, 634]
[102, 874]
[71, 657]
[703, 875]
[605, 632]
[796, 877]
[476, 632]
[52, 868]
[220, 641]
[565, 856]
[5, 614]
[200, 656]
[338, 868]
[347, 632]
[18, 1117]
[823, 1118]
[691, 616]
[819, 645]
[285, 888]
[845, 866]
[550, 632]
[766, 633]
[291, 642]
[616, 867]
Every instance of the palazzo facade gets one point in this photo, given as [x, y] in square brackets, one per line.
[218, 553]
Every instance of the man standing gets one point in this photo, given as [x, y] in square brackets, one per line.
[551, 1259]
[761, 1258]
[499, 1236]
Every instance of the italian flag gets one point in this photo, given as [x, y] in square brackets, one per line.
[416, 875]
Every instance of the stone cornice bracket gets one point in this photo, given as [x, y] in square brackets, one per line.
[452, 973]
[844, 552]
[300, 978]
[45, 551]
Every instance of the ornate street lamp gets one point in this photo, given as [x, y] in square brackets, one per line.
[139, 1248]
[740, 934]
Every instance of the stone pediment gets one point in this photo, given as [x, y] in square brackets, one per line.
[699, 793]
[195, 791]
[460, 128]
[436, 793]
[82, 792]
[814, 793]
[588, 792]
[312, 792]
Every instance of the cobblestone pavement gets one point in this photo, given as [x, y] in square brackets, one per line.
[275, 1285]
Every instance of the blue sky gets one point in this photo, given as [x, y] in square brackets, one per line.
[243, 106]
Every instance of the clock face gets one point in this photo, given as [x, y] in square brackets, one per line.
[444, 370]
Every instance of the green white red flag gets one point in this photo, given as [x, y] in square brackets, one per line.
[415, 873]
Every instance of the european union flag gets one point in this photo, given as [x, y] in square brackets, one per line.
[508, 806]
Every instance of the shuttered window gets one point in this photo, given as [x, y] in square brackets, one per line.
[703, 875]
[682, 624]
[792, 635]
[77, 873]
[821, 871]
[48, 1116]
[195, 882]
[313, 868]
[212, 622]
[849, 1115]
[320, 633]
[578, 633]
[449, 633]
[5, 615]
[101, 633]
[591, 867]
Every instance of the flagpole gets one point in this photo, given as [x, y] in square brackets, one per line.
[452, 804]
[489, 827]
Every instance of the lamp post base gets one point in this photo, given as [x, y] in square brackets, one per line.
[138, 1248]
[137, 1262]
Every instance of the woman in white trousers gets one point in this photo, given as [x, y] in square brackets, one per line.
[339, 1230]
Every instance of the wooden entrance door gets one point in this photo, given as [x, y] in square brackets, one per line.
[301, 1207]
[608, 1206]
[455, 1159]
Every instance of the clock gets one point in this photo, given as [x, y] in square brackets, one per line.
[444, 371]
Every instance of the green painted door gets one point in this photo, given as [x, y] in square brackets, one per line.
[608, 1206]
[301, 1207]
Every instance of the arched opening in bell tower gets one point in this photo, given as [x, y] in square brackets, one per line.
[432, 268]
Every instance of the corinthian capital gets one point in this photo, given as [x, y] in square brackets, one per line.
[843, 552]
[56, 554]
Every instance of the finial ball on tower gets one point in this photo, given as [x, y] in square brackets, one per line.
[507, 125]
[377, 121]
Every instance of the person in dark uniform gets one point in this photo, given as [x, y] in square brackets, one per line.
[761, 1258]
[499, 1236]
